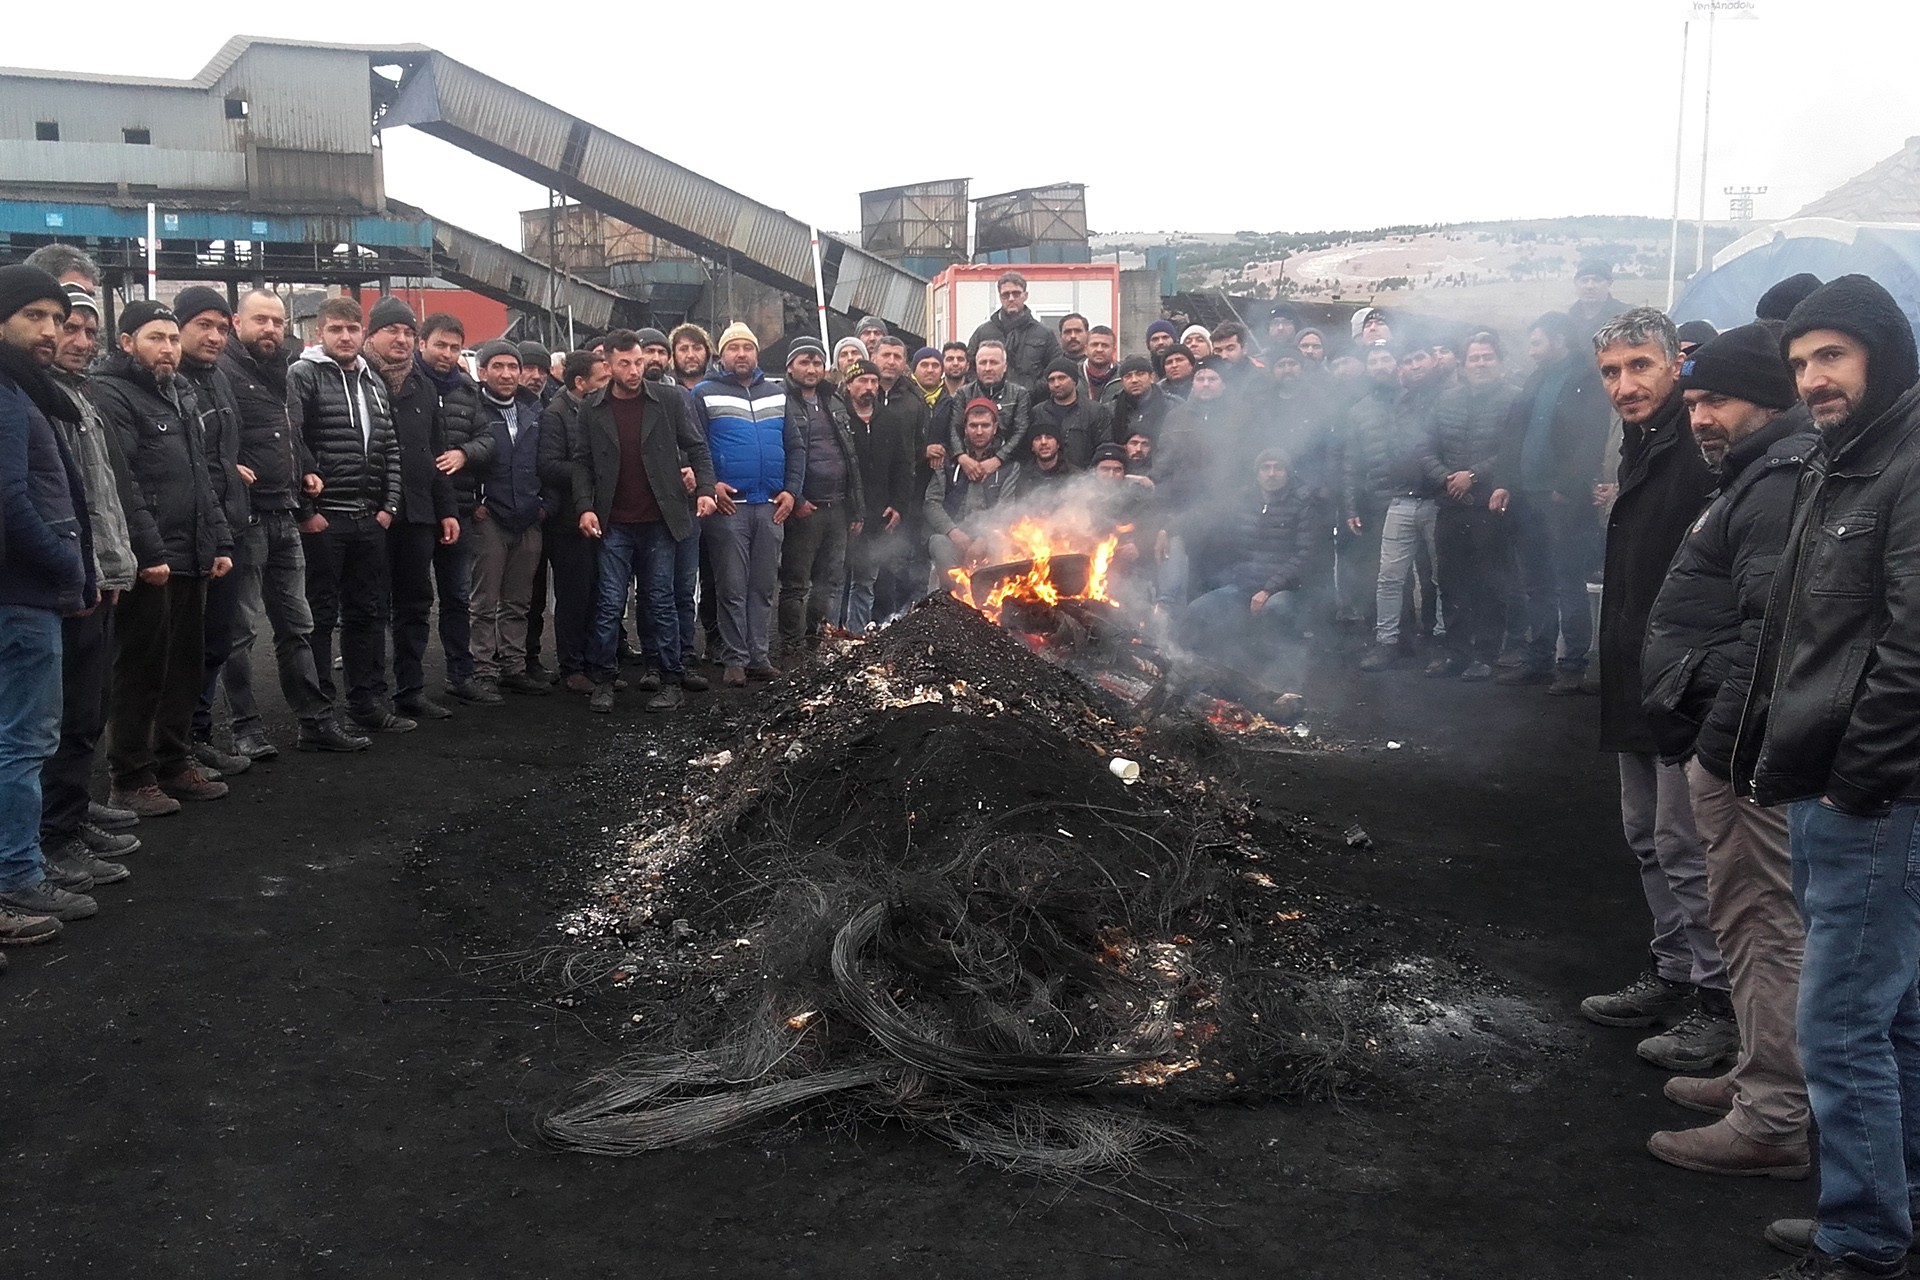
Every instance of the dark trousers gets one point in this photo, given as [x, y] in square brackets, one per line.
[86, 646]
[453, 587]
[1473, 553]
[157, 669]
[273, 592]
[410, 592]
[642, 555]
[576, 576]
[1557, 542]
[813, 565]
[537, 607]
[708, 612]
[224, 619]
[347, 580]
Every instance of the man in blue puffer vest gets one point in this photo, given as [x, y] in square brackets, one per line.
[759, 463]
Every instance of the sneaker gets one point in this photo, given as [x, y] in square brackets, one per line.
[1712, 1095]
[478, 691]
[667, 699]
[381, 720]
[734, 677]
[1700, 1041]
[108, 818]
[423, 708]
[694, 682]
[1646, 1000]
[523, 683]
[146, 802]
[577, 683]
[328, 736]
[20, 929]
[225, 763]
[768, 672]
[1442, 668]
[192, 784]
[1722, 1149]
[75, 857]
[1380, 657]
[1475, 672]
[107, 844]
[602, 699]
[1522, 675]
[649, 681]
[254, 745]
[64, 873]
[1570, 684]
[46, 899]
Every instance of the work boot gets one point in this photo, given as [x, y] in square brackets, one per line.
[192, 784]
[1722, 1149]
[478, 691]
[49, 899]
[694, 682]
[146, 802]
[1700, 1041]
[64, 875]
[768, 672]
[108, 818]
[421, 707]
[667, 699]
[1442, 668]
[1641, 1003]
[545, 675]
[108, 844]
[734, 677]
[629, 654]
[329, 736]
[378, 719]
[19, 929]
[1379, 658]
[649, 681]
[1511, 658]
[1712, 1095]
[1795, 1236]
[1570, 684]
[74, 858]
[577, 683]
[1476, 672]
[1823, 1266]
[602, 700]
[522, 683]
[1514, 677]
[254, 745]
[225, 763]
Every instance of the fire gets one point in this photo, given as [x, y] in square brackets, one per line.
[1034, 546]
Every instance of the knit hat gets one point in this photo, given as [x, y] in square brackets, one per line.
[1360, 318]
[136, 316]
[531, 353]
[22, 284]
[1064, 365]
[198, 299]
[1778, 302]
[1858, 307]
[78, 299]
[1309, 330]
[805, 347]
[1192, 329]
[870, 322]
[1599, 268]
[981, 402]
[924, 353]
[1743, 363]
[1695, 332]
[1110, 453]
[1178, 351]
[862, 367]
[736, 332]
[1042, 426]
[1134, 364]
[388, 311]
[490, 351]
[1163, 326]
[848, 344]
[652, 338]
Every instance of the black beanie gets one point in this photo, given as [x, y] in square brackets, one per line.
[1110, 453]
[194, 300]
[1697, 333]
[22, 284]
[1066, 366]
[1135, 364]
[1778, 302]
[1743, 363]
[653, 338]
[532, 353]
[137, 315]
[1859, 308]
[390, 311]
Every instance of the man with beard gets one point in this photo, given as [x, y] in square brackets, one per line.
[1664, 482]
[870, 330]
[574, 556]
[1176, 373]
[427, 518]
[692, 354]
[536, 370]
[536, 375]
[1594, 304]
[883, 573]
[993, 381]
[1044, 477]
[929, 372]
[1283, 329]
[180, 539]
[1470, 424]
[1232, 354]
[1697, 673]
[1249, 611]
[506, 525]
[656, 360]
[832, 502]
[1161, 337]
[1073, 336]
[1099, 372]
[1141, 404]
[272, 567]
[960, 503]
[1079, 424]
[692, 360]
[1388, 460]
[1313, 347]
[1195, 455]
[1027, 346]
[468, 453]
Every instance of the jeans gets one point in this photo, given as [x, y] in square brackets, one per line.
[872, 559]
[1221, 624]
[1656, 815]
[218, 643]
[347, 581]
[157, 663]
[651, 553]
[1558, 544]
[1174, 576]
[1407, 529]
[273, 590]
[813, 565]
[86, 644]
[29, 734]
[453, 589]
[1472, 546]
[686, 578]
[576, 576]
[1858, 884]
[503, 567]
[410, 586]
[745, 549]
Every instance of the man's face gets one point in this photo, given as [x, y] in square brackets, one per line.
[870, 339]
[656, 357]
[1110, 469]
[441, 351]
[204, 337]
[1045, 447]
[341, 340]
[1136, 381]
[928, 373]
[863, 389]
[1229, 349]
[627, 370]
[260, 325]
[35, 329]
[79, 339]
[1546, 348]
[1382, 369]
[1416, 367]
[1208, 384]
[1176, 365]
[1159, 341]
[1073, 337]
[1139, 450]
[990, 366]
[739, 357]
[1483, 365]
[1062, 387]
[892, 361]
[1272, 475]
[1198, 345]
[533, 376]
[1281, 332]
[981, 428]
[1286, 368]
[1446, 361]
[1311, 348]
[155, 348]
[1638, 379]
[689, 358]
[502, 376]
[1101, 350]
[806, 370]
[1013, 298]
[1830, 370]
[1720, 422]
[1593, 288]
[392, 343]
[598, 375]
[955, 364]
[1376, 330]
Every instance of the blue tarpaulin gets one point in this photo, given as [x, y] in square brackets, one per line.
[1887, 252]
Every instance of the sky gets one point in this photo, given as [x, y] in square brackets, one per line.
[1220, 117]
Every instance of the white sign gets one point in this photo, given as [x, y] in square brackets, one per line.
[1732, 10]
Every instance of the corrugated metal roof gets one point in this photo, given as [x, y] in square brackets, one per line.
[230, 52]
[1888, 192]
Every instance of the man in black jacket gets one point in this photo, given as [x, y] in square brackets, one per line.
[469, 450]
[1141, 404]
[1697, 669]
[1470, 423]
[1664, 482]
[426, 519]
[1388, 444]
[1030, 346]
[181, 540]
[832, 504]
[1252, 571]
[574, 556]
[1079, 424]
[884, 573]
[992, 380]
[272, 567]
[505, 528]
[1842, 744]
[338, 406]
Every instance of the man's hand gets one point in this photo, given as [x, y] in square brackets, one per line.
[782, 506]
[1353, 524]
[247, 473]
[704, 507]
[1604, 494]
[1145, 482]
[1459, 485]
[723, 498]
[384, 519]
[1258, 602]
[222, 566]
[959, 538]
[589, 524]
[315, 523]
[1127, 552]
[893, 519]
[687, 481]
[481, 514]
[1499, 501]
[449, 531]
[450, 461]
[971, 466]
[990, 466]
[156, 576]
[853, 530]
[312, 485]
[111, 598]
[804, 510]
[936, 456]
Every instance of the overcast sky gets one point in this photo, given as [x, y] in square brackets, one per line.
[1201, 117]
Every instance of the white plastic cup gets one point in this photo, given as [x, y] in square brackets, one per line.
[1126, 770]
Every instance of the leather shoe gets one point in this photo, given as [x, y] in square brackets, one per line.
[763, 673]
[694, 682]
[423, 708]
[734, 677]
[1720, 1148]
[328, 736]
[1710, 1094]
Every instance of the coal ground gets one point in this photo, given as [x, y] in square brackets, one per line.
[314, 1036]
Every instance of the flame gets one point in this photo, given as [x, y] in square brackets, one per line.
[1032, 541]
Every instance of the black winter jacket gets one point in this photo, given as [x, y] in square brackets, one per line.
[268, 443]
[173, 516]
[460, 423]
[1016, 418]
[343, 417]
[885, 451]
[1387, 447]
[1581, 424]
[1697, 665]
[842, 419]
[1843, 719]
[426, 494]
[1470, 430]
[559, 438]
[510, 487]
[1031, 345]
[669, 440]
[1147, 413]
[1265, 542]
[1664, 482]
[220, 437]
[1082, 426]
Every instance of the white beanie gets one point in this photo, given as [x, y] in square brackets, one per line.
[736, 332]
[1360, 319]
[1192, 329]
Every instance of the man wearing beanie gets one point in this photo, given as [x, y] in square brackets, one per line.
[469, 451]
[1078, 425]
[508, 512]
[1778, 302]
[870, 330]
[884, 575]
[1696, 676]
[832, 501]
[1160, 335]
[536, 371]
[759, 463]
[1141, 404]
[575, 558]
[1664, 481]
[46, 572]
[1594, 303]
[182, 541]
[1841, 746]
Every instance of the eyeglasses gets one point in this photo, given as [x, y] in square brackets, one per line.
[1013, 293]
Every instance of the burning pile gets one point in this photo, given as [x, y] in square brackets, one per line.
[1046, 569]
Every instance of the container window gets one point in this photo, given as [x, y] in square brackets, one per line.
[46, 131]
[138, 137]
[236, 108]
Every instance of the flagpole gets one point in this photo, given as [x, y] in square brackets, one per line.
[1679, 152]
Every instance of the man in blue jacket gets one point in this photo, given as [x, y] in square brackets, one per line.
[759, 463]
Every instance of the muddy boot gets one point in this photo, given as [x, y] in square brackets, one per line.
[1721, 1149]
[1712, 1095]
[1700, 1041]
[1646, 1000]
